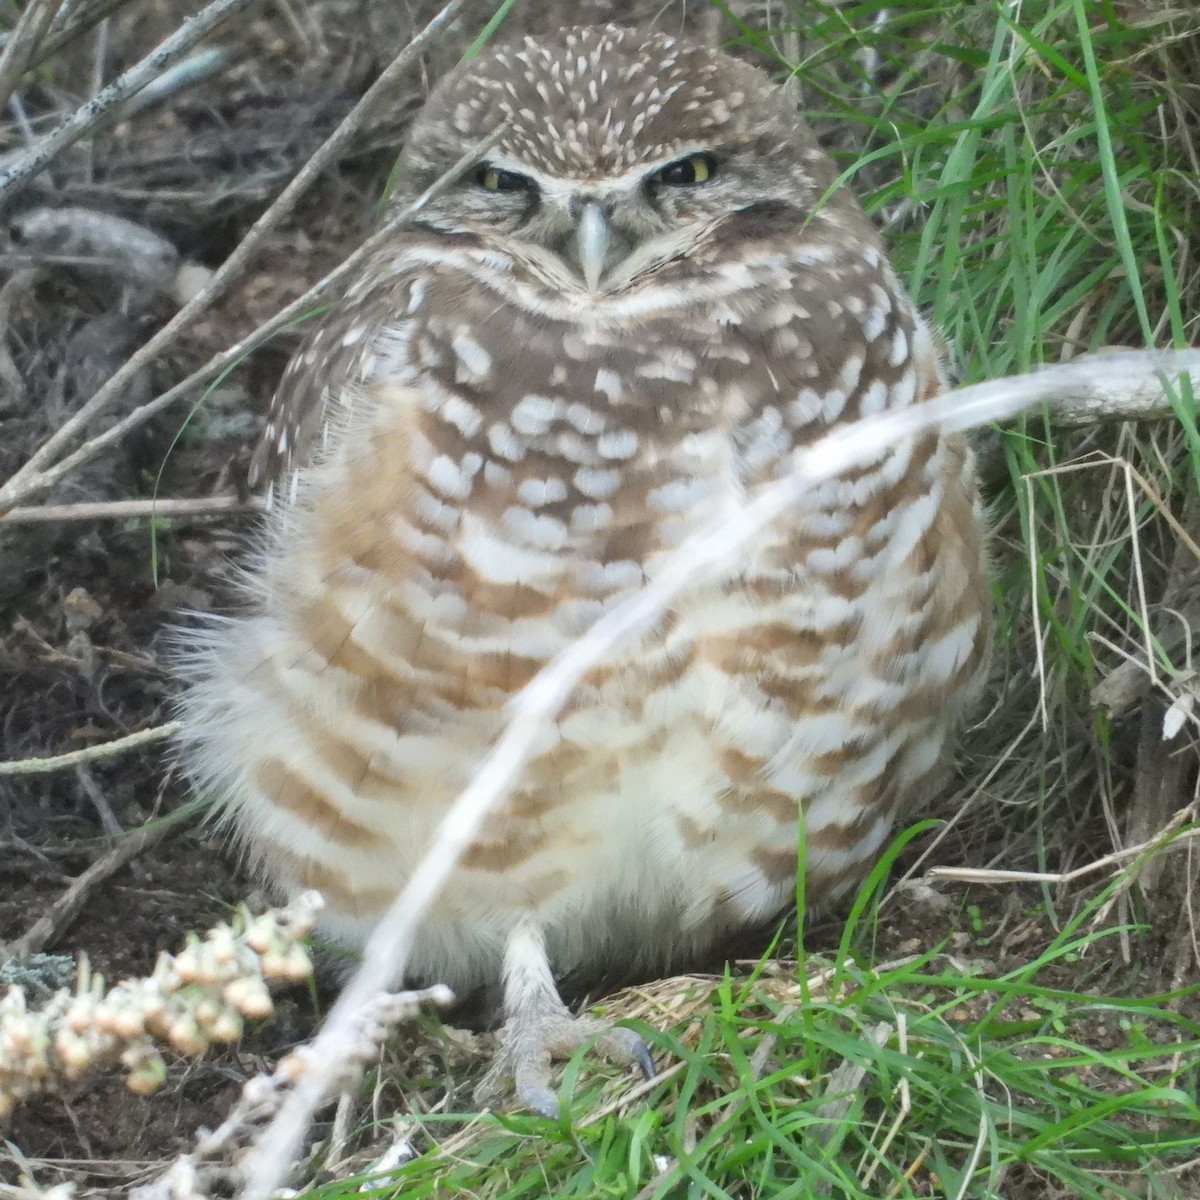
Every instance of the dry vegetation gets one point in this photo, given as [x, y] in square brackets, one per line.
[1036, 171]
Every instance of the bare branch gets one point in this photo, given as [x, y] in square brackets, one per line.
[1074, 407]
[120, 510]
[707, 554]
[33, 477]
[183, 75]
[59, 915]
[1166, 840]
[23, 43]
[90, 116]
[43, 766]
[1116, 399]
[71, 21]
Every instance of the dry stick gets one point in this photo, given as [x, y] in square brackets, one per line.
[119, 510]
[88, 117]
[1111, 400]
[705, 554]
[67, 907]
[1164, 840]
[23, 43]
[32, 478]
[72, 20]
[59, 762]
[228, 358]
[186, 74]
[1073, 408]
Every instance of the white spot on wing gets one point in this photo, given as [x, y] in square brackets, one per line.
[474, 362]
[533, 415]
[617, 443]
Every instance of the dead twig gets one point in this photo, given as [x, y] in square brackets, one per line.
[1112, 400]
[23, 43]
[37, 474]
[71, 21]
[121, 510]
[1162, 841]
[43, 766]
[842, 1087]
[95, 112]
[228, 358]
[1073, 408]
[183, 75]
[60, 915]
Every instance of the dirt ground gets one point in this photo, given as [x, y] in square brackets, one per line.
[86, 608]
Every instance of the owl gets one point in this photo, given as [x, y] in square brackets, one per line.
[594, 342]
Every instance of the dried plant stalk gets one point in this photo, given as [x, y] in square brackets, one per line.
[23, 43]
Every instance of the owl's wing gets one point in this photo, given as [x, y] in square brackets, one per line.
[319, 378]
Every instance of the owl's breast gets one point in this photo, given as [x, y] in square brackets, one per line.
[495, 481]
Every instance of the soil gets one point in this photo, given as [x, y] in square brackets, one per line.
[86, 609]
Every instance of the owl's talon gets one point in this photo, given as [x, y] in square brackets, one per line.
[626, 1048]
[645, 1064]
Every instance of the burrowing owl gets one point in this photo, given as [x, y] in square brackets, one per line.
[589, 345]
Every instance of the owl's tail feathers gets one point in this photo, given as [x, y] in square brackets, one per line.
[539, 1028]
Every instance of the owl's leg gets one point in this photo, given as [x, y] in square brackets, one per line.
[538, 1028]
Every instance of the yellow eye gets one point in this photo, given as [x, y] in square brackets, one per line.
[495, 179]
[687, 172]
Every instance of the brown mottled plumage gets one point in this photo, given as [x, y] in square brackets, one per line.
[579, 353]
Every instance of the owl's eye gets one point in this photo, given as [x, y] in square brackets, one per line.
[495, 179]
[687, 172]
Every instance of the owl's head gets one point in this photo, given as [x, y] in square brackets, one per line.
[618, 152]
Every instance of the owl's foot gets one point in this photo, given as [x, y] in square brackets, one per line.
[534, 1038]
[539, 1028]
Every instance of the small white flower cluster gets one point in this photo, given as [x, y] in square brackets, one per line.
[194, 999]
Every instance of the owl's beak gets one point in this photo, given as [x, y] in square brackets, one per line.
[594, 241]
